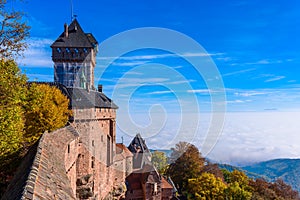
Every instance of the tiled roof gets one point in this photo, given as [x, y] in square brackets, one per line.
[165, 184]
[82, 98]
[138, 141]
[122, 149]
[76, 38]
[42, 174]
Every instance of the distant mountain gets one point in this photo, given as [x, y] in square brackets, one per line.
[248, 173]
[286, 169]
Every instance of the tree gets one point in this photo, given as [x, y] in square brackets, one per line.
[13, 32]
[25, 113]
[261, 190]
[178, 150]
[12, 98]
[236, 191]
[206, 186]
[46, 110]
[238, 186]
[213, 169]
[187, 166]
[283, 190]
[159, 160]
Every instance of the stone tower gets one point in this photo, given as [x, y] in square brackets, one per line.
[74, 56]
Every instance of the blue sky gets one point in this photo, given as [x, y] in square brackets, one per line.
[254, 44]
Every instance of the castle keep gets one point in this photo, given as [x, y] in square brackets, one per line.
[82, 160]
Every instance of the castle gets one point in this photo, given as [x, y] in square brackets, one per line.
[83, 160]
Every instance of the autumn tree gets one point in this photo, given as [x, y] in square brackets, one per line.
[12, 99]
[284, 190]
[178, 150]
[188, 165]
[159, 160]
[12, 95]
[261, 190]
[206, 186]
[238, 186]
[213, 169]
[26, 111]
[46, 110]
[13, 31]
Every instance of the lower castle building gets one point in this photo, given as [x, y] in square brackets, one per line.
[83, 160]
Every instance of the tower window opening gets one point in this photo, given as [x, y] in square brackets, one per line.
[67, 50]
[58, 50]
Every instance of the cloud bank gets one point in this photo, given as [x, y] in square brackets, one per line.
[247, 137]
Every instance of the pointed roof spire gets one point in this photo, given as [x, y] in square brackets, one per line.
[76, 37]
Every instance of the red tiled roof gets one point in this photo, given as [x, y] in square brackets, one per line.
[122, 149]
[165, 184]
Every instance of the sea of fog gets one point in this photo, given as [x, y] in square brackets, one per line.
[242, 138]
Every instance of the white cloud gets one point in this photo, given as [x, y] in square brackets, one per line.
[201, 91]
[258, 136]
[249, 93]
[246, 137]
[38, 53]
[129, 64]
[161, 92]
[236, 101]
[276, 78]
[238, 72]
[157, 56]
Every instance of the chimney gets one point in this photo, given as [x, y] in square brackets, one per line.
[100, 88]
[66, 31]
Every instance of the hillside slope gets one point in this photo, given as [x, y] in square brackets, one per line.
[286, 169]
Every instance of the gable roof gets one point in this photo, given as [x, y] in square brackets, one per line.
[76, 38]
[138, 141]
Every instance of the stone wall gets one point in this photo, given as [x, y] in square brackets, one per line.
[78, 161]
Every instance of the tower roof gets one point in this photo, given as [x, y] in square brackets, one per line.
[74, 36]
[138, 142]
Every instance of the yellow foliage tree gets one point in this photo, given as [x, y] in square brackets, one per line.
[46, 110]
[12, 97]
[207, 187]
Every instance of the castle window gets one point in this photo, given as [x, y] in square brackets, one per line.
[76, 50]
[58, 50]
[93, 143]
[84, 50]
[68, 148]
[67, 50]
[93, 162]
